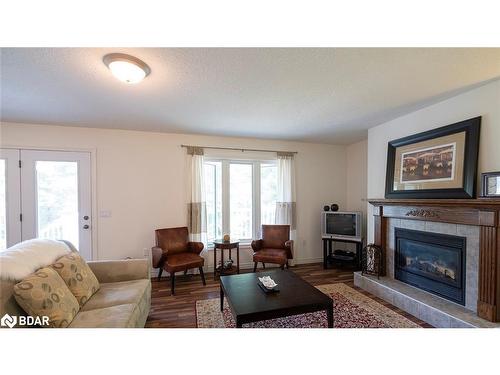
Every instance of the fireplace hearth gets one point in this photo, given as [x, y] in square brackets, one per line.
[433, 262]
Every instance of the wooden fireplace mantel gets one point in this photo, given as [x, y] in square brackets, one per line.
[484, 213]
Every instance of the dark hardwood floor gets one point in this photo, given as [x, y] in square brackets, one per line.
[179, 311]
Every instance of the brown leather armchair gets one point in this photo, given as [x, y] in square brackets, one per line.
[174, 253]
[275, 246]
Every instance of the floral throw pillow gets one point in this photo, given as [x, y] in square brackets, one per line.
[44, 294]
[78, 276]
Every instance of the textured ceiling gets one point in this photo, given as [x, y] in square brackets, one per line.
[321, 95]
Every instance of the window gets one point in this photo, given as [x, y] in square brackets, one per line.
[268, 192]
[241, 200]
[241, 195]
[57, 200]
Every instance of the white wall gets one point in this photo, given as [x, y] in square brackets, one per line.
[482, 101]
[357, 164]
[141, 180]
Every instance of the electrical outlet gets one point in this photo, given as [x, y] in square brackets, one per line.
[145, 252]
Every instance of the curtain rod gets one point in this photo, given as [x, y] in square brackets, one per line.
[239, 149]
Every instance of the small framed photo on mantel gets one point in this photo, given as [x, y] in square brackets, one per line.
[491, 184]
[439, 163]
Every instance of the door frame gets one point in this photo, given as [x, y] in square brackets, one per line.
[12, 195]
[93, 184]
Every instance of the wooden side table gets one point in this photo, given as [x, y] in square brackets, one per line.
[226, 245]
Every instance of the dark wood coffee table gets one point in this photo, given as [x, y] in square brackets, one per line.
[249, 303]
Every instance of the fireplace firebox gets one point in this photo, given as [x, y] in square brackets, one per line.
[433, 262]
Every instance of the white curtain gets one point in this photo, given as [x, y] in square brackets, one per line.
[197, 210]
[286, 203]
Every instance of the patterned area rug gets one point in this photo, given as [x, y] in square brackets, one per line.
[351, 309]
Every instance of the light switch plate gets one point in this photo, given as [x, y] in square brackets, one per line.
[105, 213]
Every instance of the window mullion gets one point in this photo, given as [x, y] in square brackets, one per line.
[256, 200]
[214, 168]
[225, 197]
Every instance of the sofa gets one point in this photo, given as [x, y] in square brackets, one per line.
[123, 299]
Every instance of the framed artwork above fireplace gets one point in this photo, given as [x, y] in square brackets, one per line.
[439, 163]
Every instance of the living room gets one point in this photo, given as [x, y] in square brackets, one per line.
[221, 185]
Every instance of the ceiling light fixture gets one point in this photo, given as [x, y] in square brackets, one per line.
[126, 68]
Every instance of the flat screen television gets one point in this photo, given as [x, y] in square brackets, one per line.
[341, 225]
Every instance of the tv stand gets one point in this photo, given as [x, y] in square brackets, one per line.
[330, 257]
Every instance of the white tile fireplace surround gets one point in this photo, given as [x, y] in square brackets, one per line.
[469, 223]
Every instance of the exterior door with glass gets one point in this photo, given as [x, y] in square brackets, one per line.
[56, 197]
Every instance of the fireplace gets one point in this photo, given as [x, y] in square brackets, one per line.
[478, 220]
[433, 262]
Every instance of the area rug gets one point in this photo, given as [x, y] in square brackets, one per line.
[351, 309]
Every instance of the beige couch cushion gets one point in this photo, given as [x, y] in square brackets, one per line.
[121, 304]
[44, 293]
[77, 275]
[121, 316]
[120, 293]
